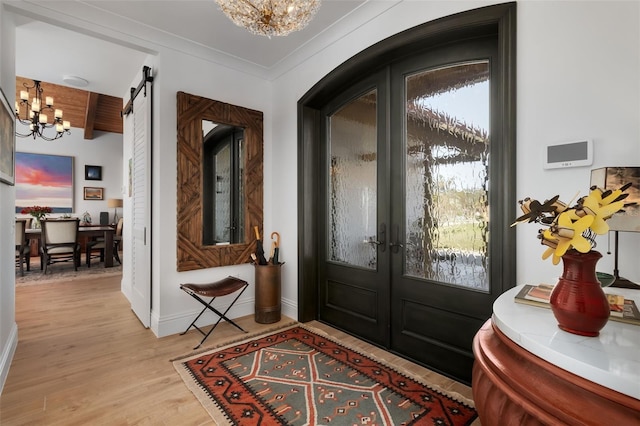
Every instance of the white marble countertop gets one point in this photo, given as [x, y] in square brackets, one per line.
[611, 359]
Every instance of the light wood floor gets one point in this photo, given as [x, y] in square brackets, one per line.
[83, 358]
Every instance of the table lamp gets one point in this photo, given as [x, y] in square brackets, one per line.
[629, 219]
[115, 203]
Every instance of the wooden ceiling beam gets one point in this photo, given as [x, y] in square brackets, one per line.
[108, 114]
[90, 114]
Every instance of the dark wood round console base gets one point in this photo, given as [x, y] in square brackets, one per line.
[511, 386]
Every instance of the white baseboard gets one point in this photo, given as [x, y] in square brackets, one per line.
[289, 308]
[7, 355]
[178, 323]
[125, 286]
[174, 324]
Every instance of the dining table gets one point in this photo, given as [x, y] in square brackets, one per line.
[107, 232]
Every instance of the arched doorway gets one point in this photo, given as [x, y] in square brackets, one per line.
[389, 171]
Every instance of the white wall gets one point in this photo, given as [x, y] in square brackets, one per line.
[577, 81]
[104, 150]
[8, 326]
[172, 309]
[281, 211]
[578, 68]
[577, 74]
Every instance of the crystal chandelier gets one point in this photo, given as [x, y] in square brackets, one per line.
[35, 114]
[270, 17]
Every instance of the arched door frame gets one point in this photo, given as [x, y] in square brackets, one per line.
[498, 19]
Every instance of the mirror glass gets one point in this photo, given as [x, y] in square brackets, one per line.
[220, 182]
[223, 174]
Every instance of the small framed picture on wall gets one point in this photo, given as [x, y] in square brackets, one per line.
[93, 193]
[93, 172]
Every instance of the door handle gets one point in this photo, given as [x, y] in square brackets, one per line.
[382, 235]
[382, 231]
[396, 245]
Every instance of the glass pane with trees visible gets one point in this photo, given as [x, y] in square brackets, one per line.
[447, 176]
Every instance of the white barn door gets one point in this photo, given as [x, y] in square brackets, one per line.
[137, 128]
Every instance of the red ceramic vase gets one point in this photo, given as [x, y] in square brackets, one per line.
[577, 301]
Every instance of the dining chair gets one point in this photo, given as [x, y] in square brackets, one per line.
[23, 248]
[60, 242]
[99, 245]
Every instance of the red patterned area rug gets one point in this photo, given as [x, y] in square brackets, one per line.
[297, 377]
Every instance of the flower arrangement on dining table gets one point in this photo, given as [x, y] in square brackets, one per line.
[38, 212]
[573, 227]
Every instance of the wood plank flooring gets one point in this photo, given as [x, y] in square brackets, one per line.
[83, 358]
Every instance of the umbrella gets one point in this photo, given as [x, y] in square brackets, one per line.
[275, 248]
[259, 249]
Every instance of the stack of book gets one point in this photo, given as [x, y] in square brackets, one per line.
[622, 310]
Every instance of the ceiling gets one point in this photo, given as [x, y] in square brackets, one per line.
[106, 41]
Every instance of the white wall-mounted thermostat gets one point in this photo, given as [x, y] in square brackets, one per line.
[568, 154]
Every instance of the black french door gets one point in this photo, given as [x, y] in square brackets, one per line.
[405, 238]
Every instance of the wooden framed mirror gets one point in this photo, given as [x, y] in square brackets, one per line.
[197, 247]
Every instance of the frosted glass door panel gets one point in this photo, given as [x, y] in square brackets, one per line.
[352, 183]
[447, 178]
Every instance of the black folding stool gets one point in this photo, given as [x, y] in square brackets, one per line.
[223, 287]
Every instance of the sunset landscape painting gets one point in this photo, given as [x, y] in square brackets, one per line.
[44, 180]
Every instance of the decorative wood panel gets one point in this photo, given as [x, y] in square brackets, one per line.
[191, 110]
[511, 386]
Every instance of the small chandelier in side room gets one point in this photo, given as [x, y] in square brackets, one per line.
[270, 17]
[36, 116]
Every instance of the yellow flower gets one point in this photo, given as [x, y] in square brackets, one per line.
[573, 227]
[600, 208]
[571, 233]
[552, 244]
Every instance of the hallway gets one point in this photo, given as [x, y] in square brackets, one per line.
[83, 358]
